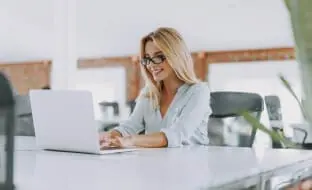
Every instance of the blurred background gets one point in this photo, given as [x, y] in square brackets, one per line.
[93, 45]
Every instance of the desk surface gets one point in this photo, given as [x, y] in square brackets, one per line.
[176, 168]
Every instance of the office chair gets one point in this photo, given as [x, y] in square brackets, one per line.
[131, 104]
[7, 125]
[273, 105]
[105, 106]
[225, 104]
[276, 120]
[24, 120]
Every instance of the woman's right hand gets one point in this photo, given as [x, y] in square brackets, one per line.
[107, 138]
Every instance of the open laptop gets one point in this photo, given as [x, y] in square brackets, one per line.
[64, 121]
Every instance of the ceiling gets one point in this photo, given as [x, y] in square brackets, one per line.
[112, 28]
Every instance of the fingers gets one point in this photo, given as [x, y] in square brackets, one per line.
[107, 140]
[115, 142]
[110, 142]
[104, 139]
[105, 136]
[106, 144]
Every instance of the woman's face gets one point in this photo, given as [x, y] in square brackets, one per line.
[156, 63]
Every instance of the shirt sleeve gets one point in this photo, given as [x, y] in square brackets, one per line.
[196, 111]
[135, 123]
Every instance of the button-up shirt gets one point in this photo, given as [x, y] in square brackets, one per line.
[185, 122]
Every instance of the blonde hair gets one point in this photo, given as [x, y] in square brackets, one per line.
[172, 45]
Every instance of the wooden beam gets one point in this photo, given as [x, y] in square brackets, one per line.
[202, 60]
[271, 54]
[241, 56]
[27, 75]
[134, 85]
[104, 62]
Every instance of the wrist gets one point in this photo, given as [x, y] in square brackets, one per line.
[130, 140]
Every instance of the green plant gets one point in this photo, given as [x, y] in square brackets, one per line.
[300, 14]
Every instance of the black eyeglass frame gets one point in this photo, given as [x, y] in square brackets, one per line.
[147, 60]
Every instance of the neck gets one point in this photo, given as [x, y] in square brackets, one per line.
[170, 86]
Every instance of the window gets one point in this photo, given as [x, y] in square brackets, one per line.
[106, 84]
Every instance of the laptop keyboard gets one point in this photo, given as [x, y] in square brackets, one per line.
[111, 148]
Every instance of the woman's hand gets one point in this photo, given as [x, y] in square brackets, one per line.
[124, 142]
[115, 139]
[154, 140]
[106, 138]
[121, 142]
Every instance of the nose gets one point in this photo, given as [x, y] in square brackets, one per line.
[151, 65]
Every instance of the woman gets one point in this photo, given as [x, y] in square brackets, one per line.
[174, 107]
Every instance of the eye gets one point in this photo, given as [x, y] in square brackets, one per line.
[145, 60]
[159, 58]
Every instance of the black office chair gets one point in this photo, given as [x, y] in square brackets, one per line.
[7, 125]
[273, 105]
[104, 106]
[24, 120]
[225, 104]
[274, 111]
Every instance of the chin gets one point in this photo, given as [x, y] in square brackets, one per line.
[159, 78]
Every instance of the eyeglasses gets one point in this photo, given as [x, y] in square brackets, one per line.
[158, 59]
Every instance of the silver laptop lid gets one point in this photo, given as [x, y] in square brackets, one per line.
[64, 120]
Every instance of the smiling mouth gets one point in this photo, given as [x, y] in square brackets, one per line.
[156, 72]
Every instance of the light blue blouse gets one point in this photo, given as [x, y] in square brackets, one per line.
[185, 122]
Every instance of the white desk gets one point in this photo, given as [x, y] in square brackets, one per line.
[176, 168]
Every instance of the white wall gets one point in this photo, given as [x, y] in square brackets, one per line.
[107, 28]
[26, 29]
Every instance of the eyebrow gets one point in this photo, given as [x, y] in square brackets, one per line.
[156, 53]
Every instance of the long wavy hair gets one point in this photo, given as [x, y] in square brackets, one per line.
[178, 56]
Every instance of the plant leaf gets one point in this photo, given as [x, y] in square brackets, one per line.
[287, 3]
[277, 137]
[292, 92]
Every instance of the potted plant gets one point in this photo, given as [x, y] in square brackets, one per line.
[300, 14]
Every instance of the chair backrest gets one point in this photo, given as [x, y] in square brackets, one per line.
[226, 104]
[6, 102]
[7, 119]
[273, 105]
[24, 122]
[7, 97]
[114, 105]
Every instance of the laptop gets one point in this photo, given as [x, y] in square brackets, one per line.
[64, 121]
